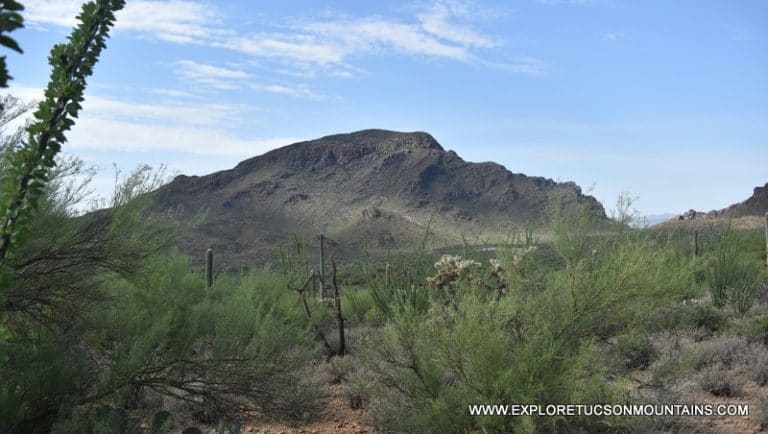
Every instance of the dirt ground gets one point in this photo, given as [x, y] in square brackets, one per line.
[336, 417]
[750, 395]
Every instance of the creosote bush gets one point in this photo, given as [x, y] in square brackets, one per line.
[721, 381]
[635, 350]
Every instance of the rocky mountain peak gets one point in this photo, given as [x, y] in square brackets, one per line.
[344, 149]
[371, 187]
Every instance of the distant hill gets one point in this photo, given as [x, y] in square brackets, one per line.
[754, 206]
[652, 219]
[371, 188]
[747, 214]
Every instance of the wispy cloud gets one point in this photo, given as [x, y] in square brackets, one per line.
[299, 91]
[178, 21]
[231, 78]
[330, 45]
[209, 75]
[525, 65]
[107, 124]
[439, 20]
[93, 133]
[441, 30]
[173, 93]
[291, 47]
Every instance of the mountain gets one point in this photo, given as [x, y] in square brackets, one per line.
[754, 206]
[374, 188]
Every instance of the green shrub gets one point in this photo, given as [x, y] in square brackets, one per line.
[731, 279]
[759, 366]
[358, 304]
[162, 422]
[536, 344]
[431, 366]
[635, 350]
[242, 345]
[720, 381]
[706, 317]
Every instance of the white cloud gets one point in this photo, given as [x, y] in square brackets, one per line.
[57, 12]
[436, 32]
[438, 21]
[210, 75]
[296, 92]
[295, 48]
[175, 21]
[173, 93]
[442, 29]
[375, 35]
[332, 42]
[93, 133]
[178, 21]
[107, 124]
[231, 79]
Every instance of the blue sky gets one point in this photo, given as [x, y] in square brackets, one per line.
[667, 101]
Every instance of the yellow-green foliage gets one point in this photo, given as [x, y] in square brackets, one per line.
[359, 304]
[535, 345]
[242, 345]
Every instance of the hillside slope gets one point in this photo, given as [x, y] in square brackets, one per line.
[374, 188]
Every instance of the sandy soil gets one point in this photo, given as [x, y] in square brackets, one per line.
[337, 417]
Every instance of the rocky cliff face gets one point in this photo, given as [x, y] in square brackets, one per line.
[375, 188]
[755, 205]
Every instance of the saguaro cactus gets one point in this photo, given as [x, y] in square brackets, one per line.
[209, 268]
[766, 239]
[322, 267]
[337, 305]
[386, 276]
[695, 243]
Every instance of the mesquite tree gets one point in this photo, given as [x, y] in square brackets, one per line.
[26, 174]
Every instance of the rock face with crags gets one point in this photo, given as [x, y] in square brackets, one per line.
[754, 206]
[372, 188]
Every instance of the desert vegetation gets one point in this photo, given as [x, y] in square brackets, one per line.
[108, 329]
[105, 327]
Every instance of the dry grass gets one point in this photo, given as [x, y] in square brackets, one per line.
[717, 223]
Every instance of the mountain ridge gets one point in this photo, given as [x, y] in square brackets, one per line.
[754, 206]
[374, 188]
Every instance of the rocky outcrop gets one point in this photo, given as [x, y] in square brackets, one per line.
[376, 185]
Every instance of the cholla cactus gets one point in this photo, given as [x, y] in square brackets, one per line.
[498, 274]
[514, 274]
[451, 269]
[496, 269]
[518, 259]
